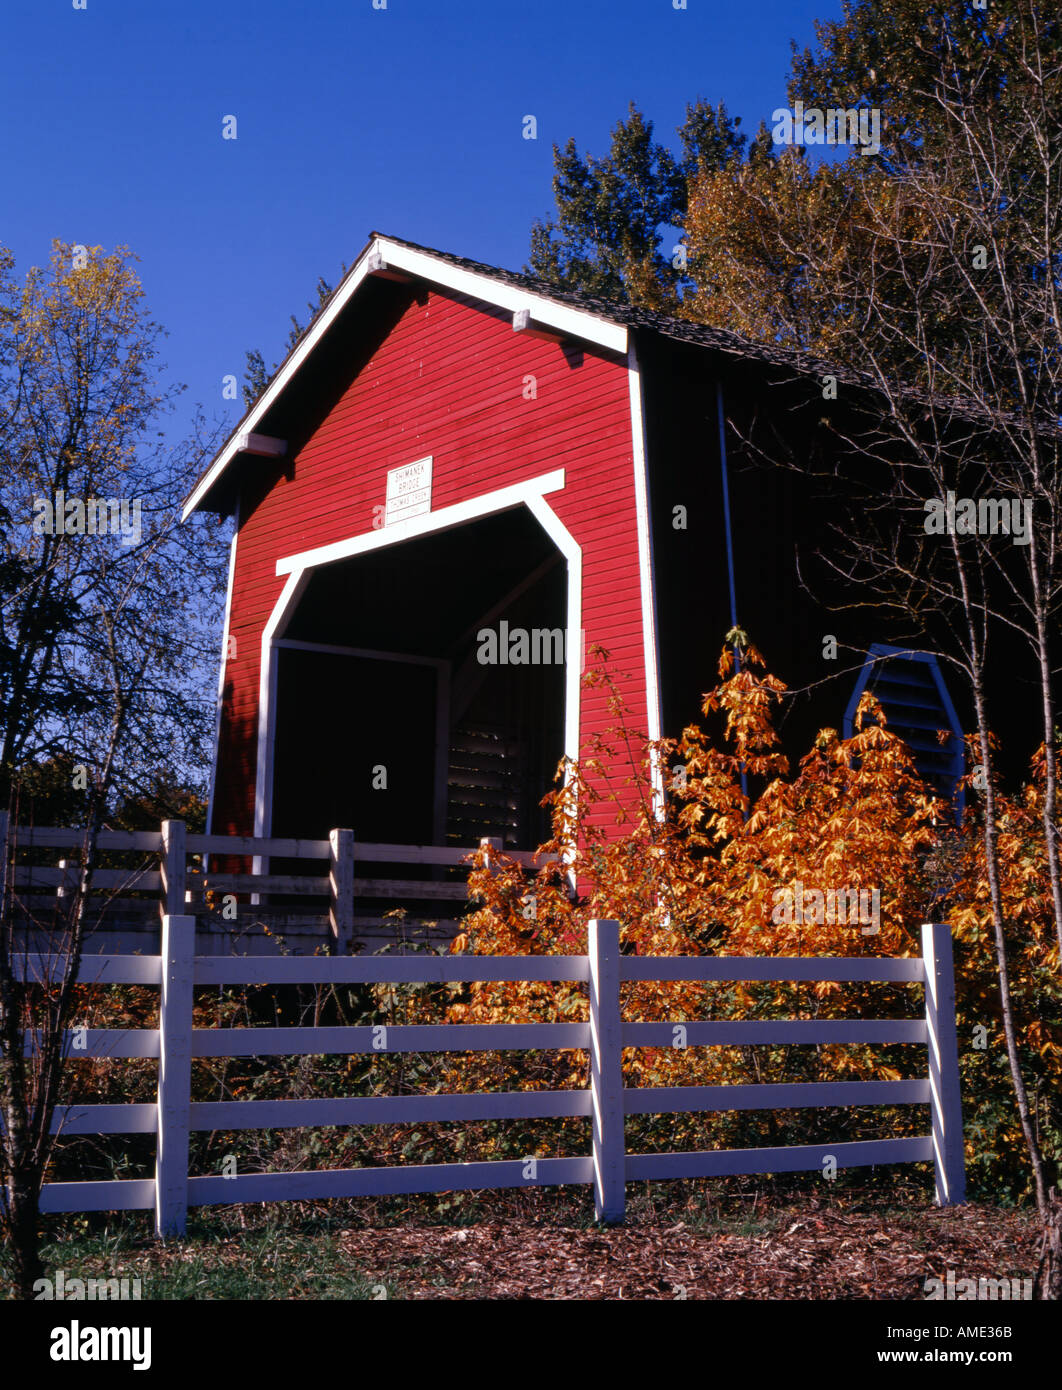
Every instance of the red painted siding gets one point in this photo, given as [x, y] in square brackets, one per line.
[448, 380]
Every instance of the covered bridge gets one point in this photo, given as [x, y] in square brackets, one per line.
[459, 480]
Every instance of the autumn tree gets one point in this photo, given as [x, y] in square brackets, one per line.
[944, 294]
[747, 234]
[766, 239]
[104, 597]
[607, 235]
[108, 613]
[709, 873]
[893, 54]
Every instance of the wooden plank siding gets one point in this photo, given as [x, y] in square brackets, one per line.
[444, 376]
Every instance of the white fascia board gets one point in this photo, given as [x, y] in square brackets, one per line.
[267, 701]
[575, 323]
[222, 670]
[441, 520]
[279, 382]
[569, 547]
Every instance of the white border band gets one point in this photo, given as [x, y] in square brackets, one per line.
[650, 639]
[298, 568]
[429, 524]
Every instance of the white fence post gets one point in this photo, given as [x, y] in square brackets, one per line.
[494, 845]
[174, 867]
[945, 1099]
[175, 1074]
[606, 1072]
[341, 883]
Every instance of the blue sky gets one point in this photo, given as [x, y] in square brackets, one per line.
[406, 120]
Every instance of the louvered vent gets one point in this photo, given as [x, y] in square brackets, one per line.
[486, 787]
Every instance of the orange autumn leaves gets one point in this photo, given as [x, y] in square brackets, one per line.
[703, 873]
[691, 864]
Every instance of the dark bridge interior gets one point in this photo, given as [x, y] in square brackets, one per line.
[409, 738]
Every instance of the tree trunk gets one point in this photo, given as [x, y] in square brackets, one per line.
[1002, 970]
[1050, 758]
[1048, 1282]
[23, 1195]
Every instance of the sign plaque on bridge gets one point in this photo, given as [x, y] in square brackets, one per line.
[408, 492]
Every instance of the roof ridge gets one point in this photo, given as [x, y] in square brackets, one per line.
[684, 330]
[637, 316]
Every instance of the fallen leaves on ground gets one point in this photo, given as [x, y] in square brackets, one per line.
[825, 1255]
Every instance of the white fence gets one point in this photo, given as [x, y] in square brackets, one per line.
[318, 904]
[608, 1167]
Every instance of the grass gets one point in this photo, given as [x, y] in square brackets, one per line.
[218, 1260]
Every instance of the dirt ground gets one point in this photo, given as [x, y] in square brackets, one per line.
[824, 1254]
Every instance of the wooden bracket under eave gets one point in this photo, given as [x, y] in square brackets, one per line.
[522, 323]
[376, 265]
[262, 445]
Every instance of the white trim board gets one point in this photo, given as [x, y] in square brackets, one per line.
[221, 672]
[272, 392]
[529, 493]
[570, 322]
[566, 543]
[441, 520]
[267, 700]
[646, 573]
[576, 323]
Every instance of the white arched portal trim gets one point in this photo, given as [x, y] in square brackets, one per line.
[575, 647]
[530, 493]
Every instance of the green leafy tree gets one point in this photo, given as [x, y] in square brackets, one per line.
[607, 233]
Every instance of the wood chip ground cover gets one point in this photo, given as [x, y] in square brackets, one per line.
[820, 1255]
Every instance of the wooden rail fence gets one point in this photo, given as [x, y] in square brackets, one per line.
[606, 1101]
[228, 900]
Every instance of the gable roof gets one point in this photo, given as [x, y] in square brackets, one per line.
[629, 316]
[569, 312]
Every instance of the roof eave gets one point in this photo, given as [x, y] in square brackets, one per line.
[381, 255]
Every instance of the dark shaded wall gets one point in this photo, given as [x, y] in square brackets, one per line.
[791, 477]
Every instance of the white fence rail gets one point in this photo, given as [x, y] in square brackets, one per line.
[185, 878]
[606, 1100]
